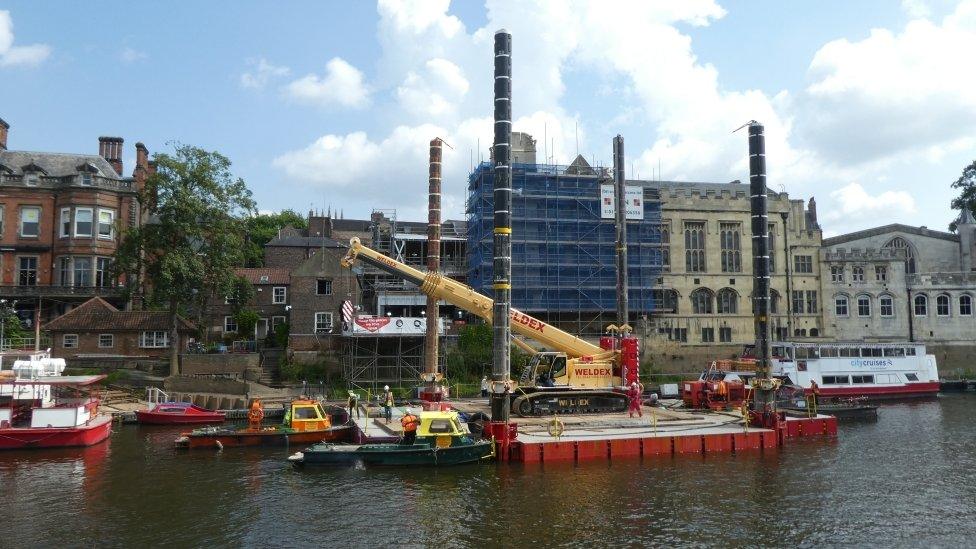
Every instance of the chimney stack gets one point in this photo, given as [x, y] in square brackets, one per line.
[433, 258]
[3, 134]
[110, 148]
[812, 208]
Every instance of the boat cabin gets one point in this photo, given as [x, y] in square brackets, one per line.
[60, 404]
[307, 415]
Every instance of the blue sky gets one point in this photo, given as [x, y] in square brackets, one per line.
[870, 106]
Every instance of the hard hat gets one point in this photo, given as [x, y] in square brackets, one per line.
[351, 393]
[386, 387]
[633, 384]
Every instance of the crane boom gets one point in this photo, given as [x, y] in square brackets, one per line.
[465, 297]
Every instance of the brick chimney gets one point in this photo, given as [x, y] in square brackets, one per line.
[110, 148]
[3, 134]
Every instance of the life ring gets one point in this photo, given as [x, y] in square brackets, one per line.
[255, 415]
[556, 428]
[416, 323]
[399, 323]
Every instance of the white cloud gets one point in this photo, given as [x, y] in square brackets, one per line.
[131, 55]
[853, 199]
[261, 73]
[916, 9]
[434, 92]
[11, 55]
[341, 85]
[893, 94]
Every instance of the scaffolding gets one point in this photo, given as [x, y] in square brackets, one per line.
[563, 252]
[369, 362]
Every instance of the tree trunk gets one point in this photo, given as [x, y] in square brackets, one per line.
[174, 338]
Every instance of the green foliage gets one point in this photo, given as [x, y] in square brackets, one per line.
[261, 228]
[246, 321]
[241, 293]
[279, 338]
[314, 373]
[967, 192]
[473, 357]
[194, 235]
[12, 327]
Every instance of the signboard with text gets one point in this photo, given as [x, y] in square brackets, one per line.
[633, 201]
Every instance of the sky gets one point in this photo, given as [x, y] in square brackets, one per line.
[869, 106]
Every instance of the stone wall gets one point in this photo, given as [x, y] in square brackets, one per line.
[236, 364]
[201, 384]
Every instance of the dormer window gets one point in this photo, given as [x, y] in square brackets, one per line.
[86, 178]
[264, 279]
[31, 179]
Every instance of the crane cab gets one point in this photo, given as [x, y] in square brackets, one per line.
[555, 369]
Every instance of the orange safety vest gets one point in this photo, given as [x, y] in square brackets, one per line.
[409, 423]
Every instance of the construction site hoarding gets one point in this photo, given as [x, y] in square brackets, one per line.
[373, 326]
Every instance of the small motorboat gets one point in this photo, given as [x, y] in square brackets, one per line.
[441, 440]
[178, 413]
[305, 422]
[161, 411]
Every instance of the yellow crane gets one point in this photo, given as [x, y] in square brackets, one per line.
[575, 377]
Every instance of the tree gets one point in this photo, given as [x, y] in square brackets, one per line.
[967, 195]
[247, 321]
[262, 228]
[193, 237]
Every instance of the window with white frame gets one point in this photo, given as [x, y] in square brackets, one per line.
[64, 271]
[837, 273]
[82, 271]
[83, 221]
[857, 274]
[31, 179]
[106, 341]
[277, 321]
[863, 305]
[65, 222]
[30, 221]
[965, 305]
[886, 305]
[323, 323]
[230, 324]
[880, 273]
[27, 271]
[279, 294]
[803, 263]
[323, 287]
[942, 305]
[103, 272]
[154, 339]
[106, 224]
[70, 341]
[86, 178]
[840, 305]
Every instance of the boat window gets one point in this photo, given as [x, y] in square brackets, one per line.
[870, 351]
[440, 426]
[911, 377]
[305, 412]
[849, 352]
[802, 352]
[835, 380]
[777, 351]
[894, 351]
[862, 379]
[828, 352]
[910, 351]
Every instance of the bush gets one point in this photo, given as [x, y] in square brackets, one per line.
[246, 322]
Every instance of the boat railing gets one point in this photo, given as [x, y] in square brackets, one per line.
[155, 395]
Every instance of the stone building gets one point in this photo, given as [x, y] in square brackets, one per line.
[706, 284]
[271, 303]
[61, 215]
[96, 329]
[319, 286]
[900, 282]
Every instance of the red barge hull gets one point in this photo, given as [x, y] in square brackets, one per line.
[911, 390]
[19, 438]
[189, 415]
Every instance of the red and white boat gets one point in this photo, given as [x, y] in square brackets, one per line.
[178, 413]
[51, 411]
[163, 411]
[871, 370]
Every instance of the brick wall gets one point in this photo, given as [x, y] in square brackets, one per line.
[123, 343]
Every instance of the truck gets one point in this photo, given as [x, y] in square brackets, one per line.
[575, 377]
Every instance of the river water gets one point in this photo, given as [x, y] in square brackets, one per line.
[908, 479]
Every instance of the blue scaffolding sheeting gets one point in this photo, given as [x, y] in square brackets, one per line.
[563, 258]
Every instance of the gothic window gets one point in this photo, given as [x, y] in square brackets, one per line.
[695, 247]
[701, 301]
[899, 243]
[921, 305]
[942, 305]
[731, 240]
[728, 302]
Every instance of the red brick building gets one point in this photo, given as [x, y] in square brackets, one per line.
[272, 289]
[61, 216]
[96, 328]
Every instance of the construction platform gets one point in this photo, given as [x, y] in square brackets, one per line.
[660, 432]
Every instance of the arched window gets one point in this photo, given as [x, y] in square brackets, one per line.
[886, 304]
[814, 332]
[942, 305]
[863, 305]
[899, 243]
[665, 301]
[701, 301]
[841, 307]
[728, 301]
[773, 302]
[965, 305]
[921, 305]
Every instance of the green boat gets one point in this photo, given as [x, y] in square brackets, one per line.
[441, 440]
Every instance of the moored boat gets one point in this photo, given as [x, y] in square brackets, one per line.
[305, 422]
[178, 413]
[51, 412]
[441, 440]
